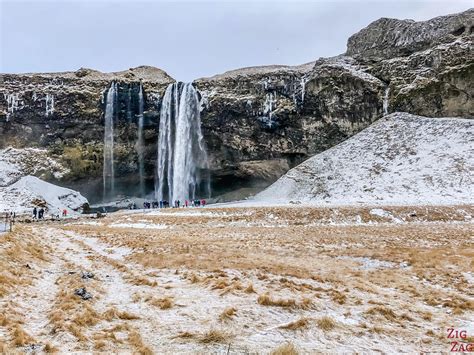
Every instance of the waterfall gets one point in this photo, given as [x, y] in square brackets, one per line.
[140, 142]
[181, 152]
[108, 172]
[385, 100]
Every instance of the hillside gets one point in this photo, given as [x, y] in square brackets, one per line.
[400, 159]
[29, 191]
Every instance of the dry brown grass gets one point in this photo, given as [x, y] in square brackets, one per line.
[69, 312]
[87, 317]
[326, 323]
[282, 260]
[162, 303]
[114, 313]
[249, 289]
[297, 324]
[19, 249]
[139, 280]
[50, 349]
[214, 336]
[338, 297]
[266, 300]
[186, 335]
[20, 337]
[285, 349]
[228, 313]
[386, 312]
[135, 340]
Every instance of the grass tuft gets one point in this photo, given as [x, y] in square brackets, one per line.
[228, 313]
[326, 323]
[298, 324]
[285, 349]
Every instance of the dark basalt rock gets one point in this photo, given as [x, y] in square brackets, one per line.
[82, 292]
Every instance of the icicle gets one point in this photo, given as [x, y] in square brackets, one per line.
[49, 103]
[385, 100]
[12, 104]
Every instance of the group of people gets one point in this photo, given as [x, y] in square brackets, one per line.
[166, 204]
[38, 213]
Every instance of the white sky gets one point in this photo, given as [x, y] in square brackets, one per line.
[189, 39]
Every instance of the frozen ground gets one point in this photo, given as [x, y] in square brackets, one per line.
[241, 280]
[401, 159]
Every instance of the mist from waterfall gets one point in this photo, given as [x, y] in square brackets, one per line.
[108, 171]
[182, 155]
[141, 142]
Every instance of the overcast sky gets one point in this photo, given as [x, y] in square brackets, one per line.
[189, 39]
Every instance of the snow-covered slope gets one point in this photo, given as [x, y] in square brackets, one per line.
[29, 191]
[15, 163]
[400, 159]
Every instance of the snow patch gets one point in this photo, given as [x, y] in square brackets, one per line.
[138, 225]
[30, 191]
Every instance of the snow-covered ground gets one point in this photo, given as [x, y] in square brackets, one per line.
[31, 191]
[346, 279]
[401, 159]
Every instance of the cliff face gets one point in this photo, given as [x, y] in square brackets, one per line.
[257, 122]
[64, 112]
[261, 121]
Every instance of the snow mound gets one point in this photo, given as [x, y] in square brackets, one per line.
[15, 163]
[400, 159]
[30, 191]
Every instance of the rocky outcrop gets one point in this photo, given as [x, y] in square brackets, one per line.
[428, 65]
[388, 38]
[257, 122]
[435, 82]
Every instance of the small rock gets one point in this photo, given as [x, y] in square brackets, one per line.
[82, 292]
[87, 275]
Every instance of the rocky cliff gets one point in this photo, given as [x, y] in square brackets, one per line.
[64, 112]
[257, 122]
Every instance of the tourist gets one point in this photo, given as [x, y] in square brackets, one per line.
[64, 212]
[203, 202]
[41, 213]
[185, 203]
[35, 213]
